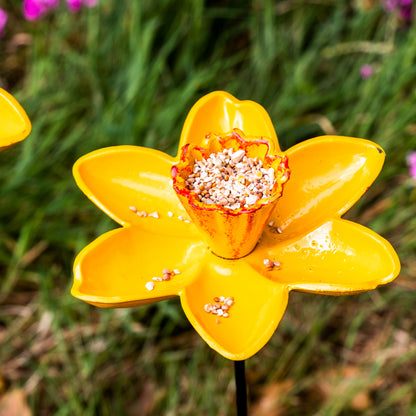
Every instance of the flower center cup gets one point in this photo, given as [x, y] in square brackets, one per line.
[229, 187]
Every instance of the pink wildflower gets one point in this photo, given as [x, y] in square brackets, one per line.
[406, 11]
[3, 20]
[75, 5]
[35, 9]
[366, 71]
[403, 7]
[391, 5]
[411, 161]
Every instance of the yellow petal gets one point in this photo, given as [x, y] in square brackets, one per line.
[328, 175]
[113, 270]
[259, 304]
[14, 122]
[340, 257]
[133, 186]
[220, 112]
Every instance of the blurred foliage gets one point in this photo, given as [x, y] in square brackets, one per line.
[127, 72]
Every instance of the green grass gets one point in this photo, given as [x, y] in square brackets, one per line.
[127, 72]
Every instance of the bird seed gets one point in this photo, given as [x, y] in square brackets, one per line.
[167, 274]
[272, 265]
[231, 179]
[220, 307]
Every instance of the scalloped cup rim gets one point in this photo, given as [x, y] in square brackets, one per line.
[243, 140]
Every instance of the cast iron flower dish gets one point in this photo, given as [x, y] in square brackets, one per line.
[233, 268]
[14, 122]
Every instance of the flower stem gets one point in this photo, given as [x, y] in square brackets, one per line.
[241, 388]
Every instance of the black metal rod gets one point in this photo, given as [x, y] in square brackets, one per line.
[241, 388]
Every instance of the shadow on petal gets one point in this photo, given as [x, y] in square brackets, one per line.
[340, 257]
[113, 270]
[259, 305]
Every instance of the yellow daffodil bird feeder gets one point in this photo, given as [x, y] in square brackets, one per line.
[231, 224]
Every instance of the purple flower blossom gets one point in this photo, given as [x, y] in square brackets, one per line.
[35, 9]
[391, 5]
[366, 71]
[406, 11]
[75, 5]
[403, 7]
[3, 20]
[411, 161]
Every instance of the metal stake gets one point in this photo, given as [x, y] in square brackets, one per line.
[241, 388]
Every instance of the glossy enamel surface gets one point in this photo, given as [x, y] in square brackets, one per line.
[121, 177]
[339, 257]
[219, 113]
[328, 175]
[319, 252]
[258, 308]
[14, 122]
[120, 263]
